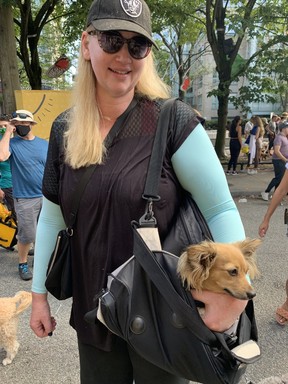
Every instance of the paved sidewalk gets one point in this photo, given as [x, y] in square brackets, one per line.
[244, 184]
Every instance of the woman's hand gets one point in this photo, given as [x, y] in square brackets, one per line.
[41, 321]
[263, 228]
[2, 195]
[221, 309]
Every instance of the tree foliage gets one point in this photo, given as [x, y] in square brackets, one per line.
[253, 19]
[176, 24]
[46, 28]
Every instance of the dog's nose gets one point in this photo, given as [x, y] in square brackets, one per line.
[250, 295]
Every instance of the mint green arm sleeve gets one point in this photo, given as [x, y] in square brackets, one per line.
[200, 172]
[49, 224]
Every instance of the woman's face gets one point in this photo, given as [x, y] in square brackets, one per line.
[118, 73]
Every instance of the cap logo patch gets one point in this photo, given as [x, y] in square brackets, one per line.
[132, 8]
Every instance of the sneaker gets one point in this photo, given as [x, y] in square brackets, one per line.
[228, 172]
[265, 196]
[25, 272]
[234, 173]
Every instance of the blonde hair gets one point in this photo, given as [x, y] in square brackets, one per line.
[83, 141]
[258, 121]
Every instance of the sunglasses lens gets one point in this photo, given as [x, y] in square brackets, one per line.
[20, 115]
[138, 47]
[111, 43]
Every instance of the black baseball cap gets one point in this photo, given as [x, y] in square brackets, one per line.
[123, 15]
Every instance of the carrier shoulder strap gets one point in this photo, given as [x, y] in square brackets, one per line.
[158, 151]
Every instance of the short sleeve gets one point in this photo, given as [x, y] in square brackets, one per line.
[50, 186]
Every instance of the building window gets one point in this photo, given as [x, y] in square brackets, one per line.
[215, 77]
[214, 103]
[199, 102]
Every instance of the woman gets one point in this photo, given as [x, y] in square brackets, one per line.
[116, 69]
[279, 159]
[278, 195]
[235, 134]
[256, 137]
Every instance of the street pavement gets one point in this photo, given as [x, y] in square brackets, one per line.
[54, 360]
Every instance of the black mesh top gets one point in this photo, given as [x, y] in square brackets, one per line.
[112, 199]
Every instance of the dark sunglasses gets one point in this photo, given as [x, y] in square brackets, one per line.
[20, 115]
[112, 41]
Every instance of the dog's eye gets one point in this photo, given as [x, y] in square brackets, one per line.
[233, 272]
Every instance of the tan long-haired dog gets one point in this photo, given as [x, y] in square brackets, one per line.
[221, 268]
[10, 309]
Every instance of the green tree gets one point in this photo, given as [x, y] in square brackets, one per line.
[178, 24]
[30, 20]
[250, 19]
[257, 19]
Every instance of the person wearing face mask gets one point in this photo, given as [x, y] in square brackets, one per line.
[27, 154]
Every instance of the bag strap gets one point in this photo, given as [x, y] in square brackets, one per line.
[158, 151]
[89, 170]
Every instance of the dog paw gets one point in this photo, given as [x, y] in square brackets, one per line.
[6, 361]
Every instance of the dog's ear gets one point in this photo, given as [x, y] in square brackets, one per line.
[195, 263]
[248, 248]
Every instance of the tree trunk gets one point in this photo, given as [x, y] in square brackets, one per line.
[222, 123]
[8, 59]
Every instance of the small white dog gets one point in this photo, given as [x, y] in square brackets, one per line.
[10, 309]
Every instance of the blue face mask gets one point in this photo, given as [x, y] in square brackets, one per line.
[23, 130]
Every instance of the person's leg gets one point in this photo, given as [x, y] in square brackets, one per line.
[280, 172]
[277, 175]
[233, 154]
[147, 373]
[27, 211]
[236, 154]
[282, 312]
[271, 142]
[257, 154]
[230, 160]
[23, 250]
[100, 367]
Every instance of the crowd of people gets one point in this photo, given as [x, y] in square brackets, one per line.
[249, 139]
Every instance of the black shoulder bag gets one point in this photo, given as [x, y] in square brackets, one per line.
[59, 271]
[145, 303]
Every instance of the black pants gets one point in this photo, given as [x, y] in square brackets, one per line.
[121, 366]
[271, 138]
[279, 170]
[235, 147]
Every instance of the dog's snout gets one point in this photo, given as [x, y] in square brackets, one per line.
[250, 295]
